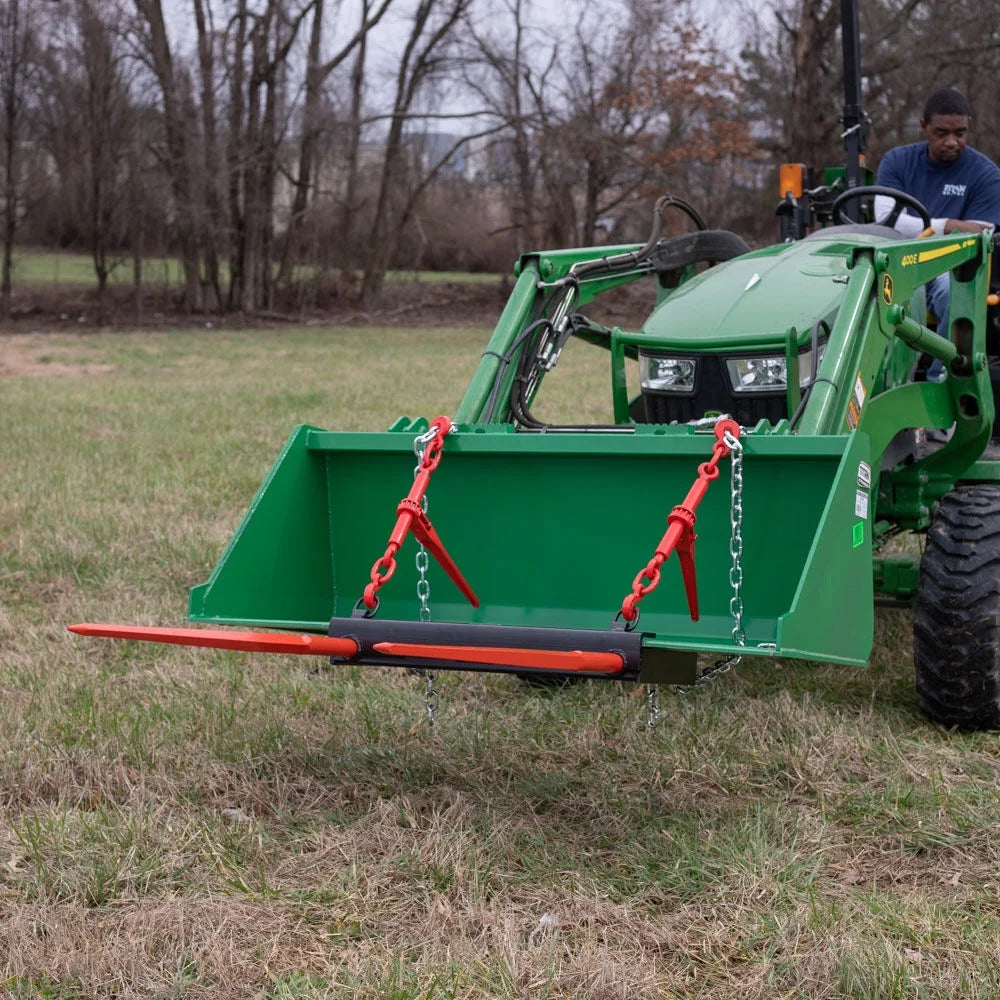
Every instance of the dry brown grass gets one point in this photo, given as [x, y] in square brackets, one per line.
[191, 823]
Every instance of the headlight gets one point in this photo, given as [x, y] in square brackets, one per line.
[769, 373]
[666, 374]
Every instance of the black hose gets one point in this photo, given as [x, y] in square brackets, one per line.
[530, 341]
[505, 360]
[814, 336]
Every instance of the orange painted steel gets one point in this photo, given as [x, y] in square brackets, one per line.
[576, 660]
[254, 642]
[680, 536]
[411, 517]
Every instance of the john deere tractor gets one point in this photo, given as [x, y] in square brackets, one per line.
[775, 408]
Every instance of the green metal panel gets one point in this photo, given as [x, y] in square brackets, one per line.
[750, 302]
[277, 566]
[550, 530]
[835, 593]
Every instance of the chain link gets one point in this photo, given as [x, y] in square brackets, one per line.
[430, 697]
[726, 664]
[422, 561]
[736, 537]
[652, 705]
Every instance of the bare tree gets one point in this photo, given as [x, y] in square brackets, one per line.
[213, 225]
[424, 56]
[508, 68]
[318, 71]
[156, 46]
[641, 96]
[18, 49]
[259, 49]
[87, 120]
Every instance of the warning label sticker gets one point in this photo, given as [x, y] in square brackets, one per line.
[861, 504]
[864, 475]
[852, 414]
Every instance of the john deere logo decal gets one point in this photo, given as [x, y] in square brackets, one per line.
[887, 289]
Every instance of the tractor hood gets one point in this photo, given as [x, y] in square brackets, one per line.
[755, 299]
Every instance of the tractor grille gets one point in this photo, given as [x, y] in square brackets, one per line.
[713, 394]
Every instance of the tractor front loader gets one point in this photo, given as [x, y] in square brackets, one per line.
[767, 437]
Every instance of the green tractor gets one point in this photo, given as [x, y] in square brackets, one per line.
[790, 367]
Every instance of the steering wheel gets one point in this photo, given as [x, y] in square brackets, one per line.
[901, 198]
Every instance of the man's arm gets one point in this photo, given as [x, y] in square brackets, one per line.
[906, 224]
[890, 175]
[910, 225]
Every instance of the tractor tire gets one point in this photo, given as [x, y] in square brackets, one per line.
[956, 625]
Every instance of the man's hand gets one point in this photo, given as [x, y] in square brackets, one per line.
[963, 226]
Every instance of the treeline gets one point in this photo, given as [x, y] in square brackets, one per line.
[284, 149]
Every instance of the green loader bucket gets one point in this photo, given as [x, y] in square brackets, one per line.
[551, 529]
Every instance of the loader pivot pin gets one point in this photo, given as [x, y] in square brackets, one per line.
[410, 516]
[680, 536]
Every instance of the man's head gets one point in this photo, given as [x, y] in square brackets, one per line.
[946, 126]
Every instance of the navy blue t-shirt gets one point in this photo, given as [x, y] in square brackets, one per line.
[969, 188]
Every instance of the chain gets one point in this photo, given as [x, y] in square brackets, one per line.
[431, 697]
[736, 537]
[422, 559]
[423, 587]
[727, 663]
[652, 705]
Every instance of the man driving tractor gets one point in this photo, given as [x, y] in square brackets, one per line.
[959, 186]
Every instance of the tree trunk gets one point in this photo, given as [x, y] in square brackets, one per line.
[416, 65]
[809, 134]
[11, 77]
[307, 149]
[212, 227]
[349, 206]
[237, 162]
[178, 163]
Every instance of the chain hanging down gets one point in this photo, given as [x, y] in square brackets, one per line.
[680, 536]
[652, 705]
[423, 586]
[727, 663]
[411, 516]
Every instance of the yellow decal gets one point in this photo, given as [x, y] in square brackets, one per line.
[926, 255]
[887, 289]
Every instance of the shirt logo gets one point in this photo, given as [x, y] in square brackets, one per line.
[953, 189]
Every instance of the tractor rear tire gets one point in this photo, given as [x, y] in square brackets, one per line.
[956, 625]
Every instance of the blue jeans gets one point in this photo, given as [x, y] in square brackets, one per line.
[938, 292]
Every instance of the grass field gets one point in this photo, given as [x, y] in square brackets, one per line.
[40, 268]
[184, 823]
